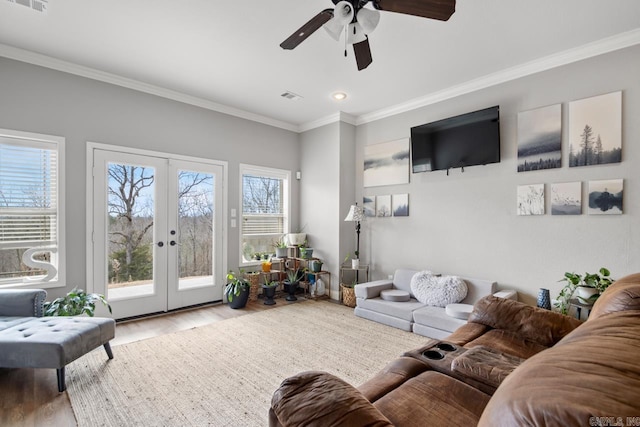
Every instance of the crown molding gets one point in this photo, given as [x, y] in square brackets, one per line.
[91, 73]
[589, 50]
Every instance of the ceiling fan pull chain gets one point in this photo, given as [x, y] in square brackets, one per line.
[345, 40]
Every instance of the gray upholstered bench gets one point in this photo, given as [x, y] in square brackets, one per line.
[28, 340]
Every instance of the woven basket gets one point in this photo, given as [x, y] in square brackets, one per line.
[254, 282]
[348, 295]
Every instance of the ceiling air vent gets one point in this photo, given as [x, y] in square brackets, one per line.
[37, 5]
[292, 96]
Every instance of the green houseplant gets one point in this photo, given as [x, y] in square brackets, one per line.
[596, 282]
[75, 303]
[269, 291]
[236, 290]
[281, 247]
[291, 283]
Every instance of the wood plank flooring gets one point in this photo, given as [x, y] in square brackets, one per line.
[30, 397]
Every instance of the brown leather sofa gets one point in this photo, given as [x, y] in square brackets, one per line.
[511, 365]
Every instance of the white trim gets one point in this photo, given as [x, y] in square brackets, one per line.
[589, 50]
[270, 172]
[59, 141]
[102, 76]
[91, 146]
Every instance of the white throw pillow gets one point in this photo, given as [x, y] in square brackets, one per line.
[437, 291]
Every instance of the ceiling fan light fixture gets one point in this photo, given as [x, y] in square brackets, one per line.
[355, 34]
[368, 19]
[334, 28]
[343, 12]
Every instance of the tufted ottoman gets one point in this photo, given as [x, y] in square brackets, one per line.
[50, 342]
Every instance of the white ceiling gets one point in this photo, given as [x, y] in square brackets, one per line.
[225, 55]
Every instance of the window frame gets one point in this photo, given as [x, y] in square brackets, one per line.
[60, 279]
[267, 172]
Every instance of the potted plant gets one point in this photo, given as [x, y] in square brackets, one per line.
[588, 288]
[76, 303]
[236, 290]
[281, 247]
[315, 265]
[297, 238]
[305, 251]
[291, 283]
[269, 291]
[355, 261]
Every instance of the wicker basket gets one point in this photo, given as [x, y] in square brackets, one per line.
[254, 282]
[348, 295]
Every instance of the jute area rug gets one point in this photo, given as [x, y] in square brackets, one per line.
[224, 374]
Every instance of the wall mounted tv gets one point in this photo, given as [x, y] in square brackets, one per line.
[457, 142]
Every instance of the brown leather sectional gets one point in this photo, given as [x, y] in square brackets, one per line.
[511, 365]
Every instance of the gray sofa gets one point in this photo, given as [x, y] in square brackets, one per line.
[28, 340]
[433, 322]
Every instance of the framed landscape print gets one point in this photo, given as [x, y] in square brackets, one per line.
[400, 204]
[386, 163]
[531, 199]
[595, 130]
[540, 138]
[369, 205]
[383, 206]
[566, 198]
[605, 197]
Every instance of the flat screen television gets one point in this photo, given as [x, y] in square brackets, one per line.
[457, 142]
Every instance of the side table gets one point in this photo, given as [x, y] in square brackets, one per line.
[575, 302]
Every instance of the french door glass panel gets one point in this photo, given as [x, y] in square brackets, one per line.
[157, 233]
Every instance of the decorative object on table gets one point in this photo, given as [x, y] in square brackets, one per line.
[266, 266]
[386, 163]
[530, 199]
[76, 303]
[320, 287]
[383, 206]
[306, 252]
[566, 198]
[315, 265]
[281, 247]
[605, 197]
[369, 206]
[544, 299]
[400, 204]
[356, 214]
[595, 130]
[597, 281]
[291, 283]
[269, 291]
[349, 294]
[540, 138]
[254, 284]
[236, 290]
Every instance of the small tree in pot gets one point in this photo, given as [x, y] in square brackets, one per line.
[588, 287]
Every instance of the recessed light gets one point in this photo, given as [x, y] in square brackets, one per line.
[339, 96]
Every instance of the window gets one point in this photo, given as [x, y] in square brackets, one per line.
[31, 235]
[265, 210]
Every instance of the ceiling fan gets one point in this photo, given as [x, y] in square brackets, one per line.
[357, 22]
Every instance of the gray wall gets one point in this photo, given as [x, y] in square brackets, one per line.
[35, 99]
[466, 223]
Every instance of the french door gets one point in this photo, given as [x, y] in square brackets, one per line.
[157, 232]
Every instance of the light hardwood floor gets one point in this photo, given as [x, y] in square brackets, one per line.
[30, 397]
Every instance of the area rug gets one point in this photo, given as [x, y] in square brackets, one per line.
[224, 374]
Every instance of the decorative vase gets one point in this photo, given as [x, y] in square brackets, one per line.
[269, 292]
[544, 299]
[355, 263]
[320, 289]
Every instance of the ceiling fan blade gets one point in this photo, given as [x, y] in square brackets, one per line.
[307, 29]
[434, 9]
[363, 54]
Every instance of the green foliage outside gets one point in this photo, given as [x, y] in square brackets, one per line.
[140, 268]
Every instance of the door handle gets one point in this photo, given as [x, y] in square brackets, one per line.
[160, 244]
[172, 243]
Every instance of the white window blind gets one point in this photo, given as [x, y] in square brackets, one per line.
[265, 201]
[29, 209]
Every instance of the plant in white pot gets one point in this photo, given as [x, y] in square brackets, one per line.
[587, 289]
[297, 238]
[281, 247]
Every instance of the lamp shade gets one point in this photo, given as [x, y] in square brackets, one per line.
[343, 12]
[334, 27]
[368, 19]
[356, 213]
[355, 34]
